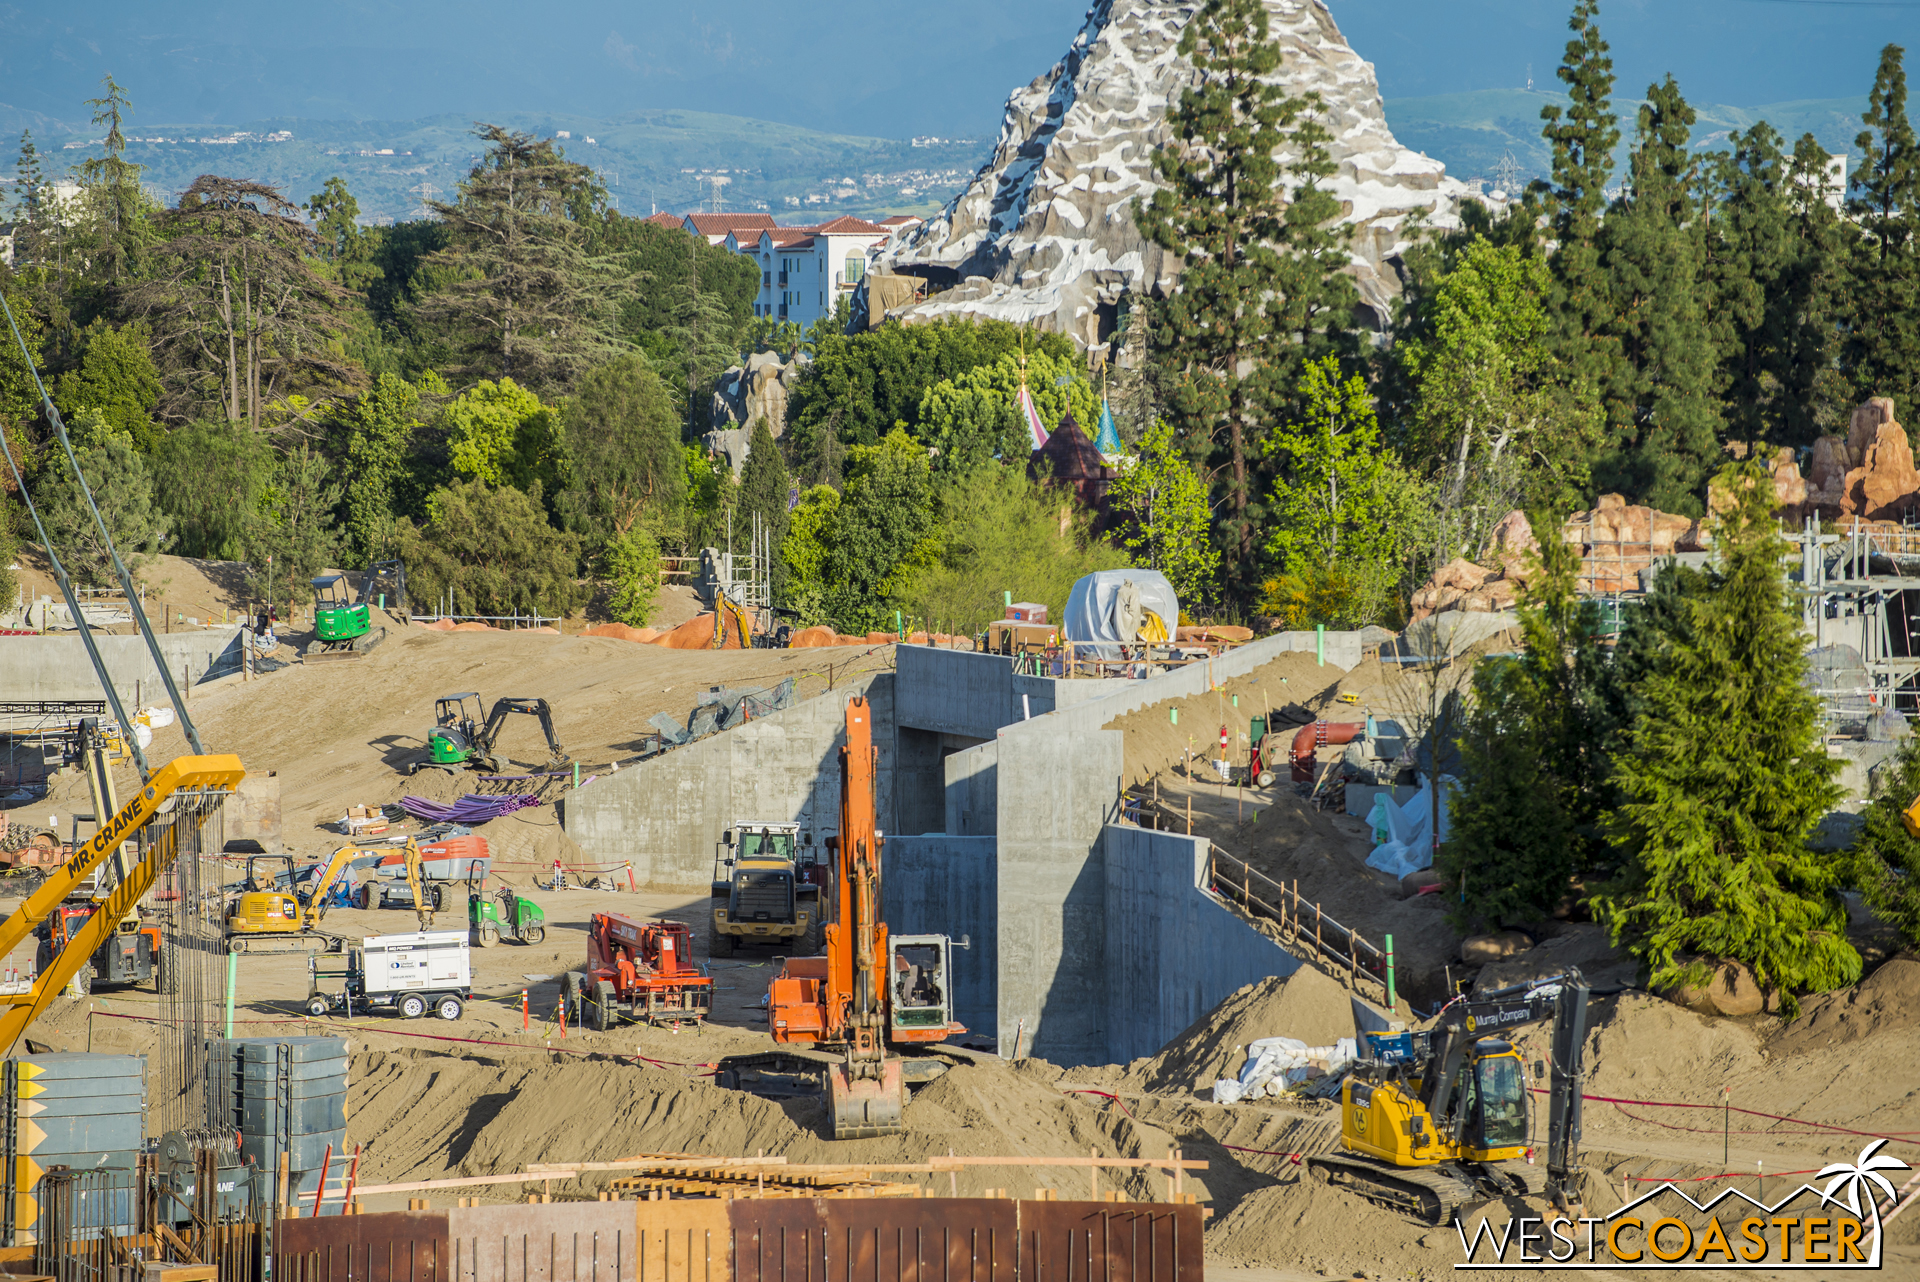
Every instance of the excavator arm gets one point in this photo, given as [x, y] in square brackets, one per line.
[217, 773]
[413, 884]
[556, 755]
[316, 906]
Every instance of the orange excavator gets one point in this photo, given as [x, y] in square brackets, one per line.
[841, 1018]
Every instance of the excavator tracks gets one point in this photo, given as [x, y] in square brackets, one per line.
[1428, 1193]
[293, 942]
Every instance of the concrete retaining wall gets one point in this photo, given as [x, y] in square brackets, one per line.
[56, 667]
[941, 885]
[666, 815]
[1172, 952]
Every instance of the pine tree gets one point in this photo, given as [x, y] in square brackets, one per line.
[1812, 297]
[1583, 136]
[1661, 408]
[1533, 777]
[1259, 291]
[1883, 346]
[1886, 857]
[115, 180]
[1749, 250]
[31, 215]
[763, 490]
[1723, 780]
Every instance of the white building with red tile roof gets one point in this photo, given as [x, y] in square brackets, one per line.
[805, 271]
[716, 226]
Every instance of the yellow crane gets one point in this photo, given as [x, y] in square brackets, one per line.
[202, 775]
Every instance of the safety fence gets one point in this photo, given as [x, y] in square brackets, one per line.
[1303, 926]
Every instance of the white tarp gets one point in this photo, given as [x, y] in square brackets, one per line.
[1402, 843]
[1276, 1063]
[1096, 613]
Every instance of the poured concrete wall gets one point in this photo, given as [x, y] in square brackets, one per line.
[941, 885]
[1173, 952]
[56, 667]
[665, 815]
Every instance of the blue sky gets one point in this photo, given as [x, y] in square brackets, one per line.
[878, 67]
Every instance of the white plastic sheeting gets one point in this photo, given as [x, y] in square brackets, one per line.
[1276, 1063]
[1402, 843]
[1094, 625]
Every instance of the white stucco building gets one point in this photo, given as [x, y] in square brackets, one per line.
[804, 271]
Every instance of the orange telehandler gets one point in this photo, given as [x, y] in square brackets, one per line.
[837, 1016]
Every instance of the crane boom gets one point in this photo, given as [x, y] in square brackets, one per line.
[216, 773]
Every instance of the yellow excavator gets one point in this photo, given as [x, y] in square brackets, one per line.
[264, 918]
[1438, 1118]
[158, 842]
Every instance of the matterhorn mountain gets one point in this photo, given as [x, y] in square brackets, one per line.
[1045, 233]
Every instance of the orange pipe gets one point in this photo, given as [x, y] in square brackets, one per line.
[1319, 735]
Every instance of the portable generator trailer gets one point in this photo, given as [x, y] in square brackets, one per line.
[408, 974]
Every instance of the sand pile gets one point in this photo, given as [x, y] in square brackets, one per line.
[1887, 1000]
[1308, 1005]
[1160, 736]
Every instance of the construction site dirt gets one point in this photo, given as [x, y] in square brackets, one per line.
[505, 1087]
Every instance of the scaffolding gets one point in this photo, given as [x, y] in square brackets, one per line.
[1859, 592]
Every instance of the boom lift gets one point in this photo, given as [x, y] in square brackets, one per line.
[459, 740]
[869, 990]
[142, 820]
[647, 966]
[1439, 1118]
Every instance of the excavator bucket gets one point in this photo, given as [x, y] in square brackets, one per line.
[863, 1108]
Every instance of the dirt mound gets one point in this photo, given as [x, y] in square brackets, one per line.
[621, 631]
[1160, 736]
[1307, 1005]
[1886, 1000]
[697, 634]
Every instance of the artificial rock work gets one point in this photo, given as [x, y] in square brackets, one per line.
[745, 393]
[1045, 232]
[1867, 474]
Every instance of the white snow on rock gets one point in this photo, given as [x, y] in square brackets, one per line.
[1045, 231]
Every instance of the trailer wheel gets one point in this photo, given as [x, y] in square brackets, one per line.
[600, 1016]
[534, 934]
[413, 1006]
[316, 1006]
[448, 1007]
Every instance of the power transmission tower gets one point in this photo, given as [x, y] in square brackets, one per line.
[717, 203]
[1506, 174]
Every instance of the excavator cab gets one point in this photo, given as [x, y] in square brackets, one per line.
[456, 724]
[920, 1000]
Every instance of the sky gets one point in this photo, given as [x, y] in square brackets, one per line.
[887, 68]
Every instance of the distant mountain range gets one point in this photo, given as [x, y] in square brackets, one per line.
[1473, 132]
[677, 160]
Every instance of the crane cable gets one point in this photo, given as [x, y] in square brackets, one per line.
[120, 569]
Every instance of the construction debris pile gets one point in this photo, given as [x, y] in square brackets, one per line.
[721, 708]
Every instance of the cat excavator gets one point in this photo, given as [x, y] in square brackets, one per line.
[175, 796]
[843, 1016]
[264, 918]
[1439, 1118]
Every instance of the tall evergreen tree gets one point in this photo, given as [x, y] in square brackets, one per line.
[31, 215]
[1583, 136]
[763, 492]
[523, 298]
[1259, 291]
[1749, 249]
[1662, 413]
[115, 181]
[1886, 857]
[1723, 781]
[1812, 296]
[1883, 347]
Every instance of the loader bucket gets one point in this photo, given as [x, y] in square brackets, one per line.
[863, 1108]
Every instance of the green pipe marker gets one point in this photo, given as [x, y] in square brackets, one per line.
[1391, 999]
[1006, 599]
[1173, 715]
[899, 628]
[1320, 643]
[576, 774]
[233, 977]
[1236, 700]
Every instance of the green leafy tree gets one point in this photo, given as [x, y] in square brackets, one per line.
[1886, 857]
[379, 428]
[859, 387]
[623, 442]
[292, 523]
[1533, 776]
[1342, 499]
[882, 535]
[1662, 410]
[117, 379]
[9, 549]
[712, 494]
[122, 491]
[1883, 343]
[494, 550]
[632, 564]
[1167, 521]
[976, 417]
[520, 295]
[1723, 781]
[208, 477]
[803, 552]
[1582, 136]
[1490, 421]
[335, 214]
[763, 492]
[503, 434]
[1000, 530]
[1259, 289]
